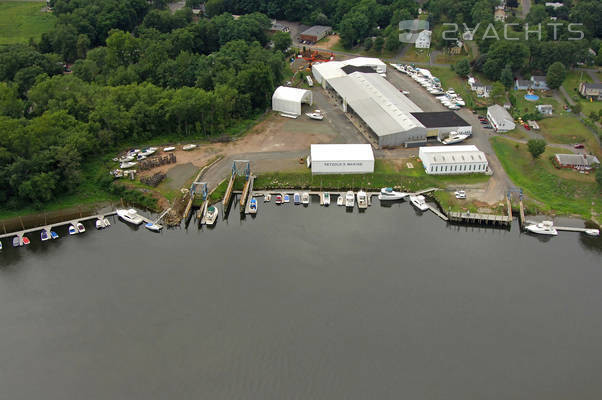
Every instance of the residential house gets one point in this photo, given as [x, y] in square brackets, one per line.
[545, 109]
[499, 14]
[576, 161]
[423, 41]
[500, 119]
[481, 89]
[591, 90]
[538, 82]
[521, 84]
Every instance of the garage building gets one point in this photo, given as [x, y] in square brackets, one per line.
[453, 160]
[315, 33]
[341, 159]
[440, 124]
[288, 100]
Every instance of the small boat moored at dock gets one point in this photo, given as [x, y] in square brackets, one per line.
[151, 226]
[286, 198]
[0, 245]
[278, 199]
[26, 240]
[419, 202]
[362, 199]
[390, 194]
[326, 198]
[305, 198]
[253, 204]
[350, 199]
[340, 200]
[130, 216]
[296, 198]
[44, 236]
[72, 230]
[80, 227]
[267, 198]
[54, 235]
[100, 224]
[211, 216]
[17, 242]
[543, 228]
[592, 232]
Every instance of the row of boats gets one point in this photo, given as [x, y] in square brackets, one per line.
[131, 157]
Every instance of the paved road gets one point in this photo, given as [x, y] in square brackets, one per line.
[526, 8]
[591, 72]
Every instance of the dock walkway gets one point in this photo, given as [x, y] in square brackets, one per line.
[562, 228]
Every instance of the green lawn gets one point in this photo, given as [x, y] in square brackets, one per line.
[567, 129]
[525, 106]
[549, 186]
[20, 21]
[571, 85]
[414, 55]
[359, 50]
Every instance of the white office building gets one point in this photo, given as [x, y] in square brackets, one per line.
[341, 159]
[453, 160]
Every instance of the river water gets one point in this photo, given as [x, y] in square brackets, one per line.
[303, 303]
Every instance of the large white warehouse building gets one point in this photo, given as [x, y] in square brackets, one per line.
[341, 159]
[453, 160]
[288, 100]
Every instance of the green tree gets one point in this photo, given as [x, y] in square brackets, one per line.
[378, 44]
[536, 147]
[367, 43]
[594, 116]
[393, 42]
[498, 91]
[556, 75]
[576, 108]
[282, 40]
[82, 45]
[599, 176]
[506, 77]
[214, 7]
[462, 68]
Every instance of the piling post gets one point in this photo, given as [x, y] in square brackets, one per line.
[21, 220]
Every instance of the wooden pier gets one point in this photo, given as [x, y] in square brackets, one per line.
[247, 195]
[438, 213]
[483, 219]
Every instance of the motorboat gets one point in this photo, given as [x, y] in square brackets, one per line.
[589, 232]
[151, 226]
[340, 200]
[296, 198]
[362, 199]
[126, 159]
[253, 204]
[543, 228]
[80, 227]
[278, 199]
[305, 198]
[189, 147]
[316, 116]
[211, 216]
[454, 137]
[460, 194]
[0, 245]
[349, 199]
[140, 157]
[390, 194]
[148, 152]
[267, 198]
[100, 223]
[26, 240]
[326, 198]
[405, 92]
[106, 222]
[72, 230]
[17, 242]
[133, 152]
[130, 216]
[453, 107]
[170, 148]
[44, 236]
[419, 202]
[127, 165]
[286, 198]
[54, 235]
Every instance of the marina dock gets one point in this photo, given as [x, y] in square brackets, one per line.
[562, 228]
[438, 213]
[483, 219]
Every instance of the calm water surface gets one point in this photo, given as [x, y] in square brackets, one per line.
[303, 303]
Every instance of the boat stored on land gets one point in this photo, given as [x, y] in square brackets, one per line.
[419, 202]
[130, 216]
[211, 216]
[362, 199]
[455, 137]
[127, 165]
[170, 148]
[350, 199]
[305, 198]
[388, 194]
[460, 194]
[543, 228]
[189, 147]
[316, 116]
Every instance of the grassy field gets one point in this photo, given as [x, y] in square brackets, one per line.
[558, 191]
[20, 21]
[567, 129]
[415, 55]
[525, 106]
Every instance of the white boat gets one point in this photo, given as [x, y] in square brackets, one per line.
[170, 148]
[126, 159]
[314, 115]
[390, 194]
[72, 230]
[592, 232]
[267, 198]
[130, 216]
[349, 199]
[543, 228]
[80, 227]
[148, 152]
[106, 222]
[405, 92]
[296, 198]
[292, 116]
[189, 147]
[362, 199]
[326, 198]
[453, 107]
[419, 203]
[279, 199]
[460, 194]
[140, 157]
[340, 200]
[305, 198]
[151, 226]
[211, 216]
[100, 224]
[128, 165]
[454, 137]
[0, 245]
[54, 235]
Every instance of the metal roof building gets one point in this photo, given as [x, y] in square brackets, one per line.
[288, 99]
[500, 119]
[577, 161]
[341, 159]
[452, 160]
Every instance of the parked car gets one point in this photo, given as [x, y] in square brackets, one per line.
[484, 122]
[579, 146]
[487, 127]
[527, 127]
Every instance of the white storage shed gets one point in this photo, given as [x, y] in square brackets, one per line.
[341, 159]
[453, 160]
[288, 100]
